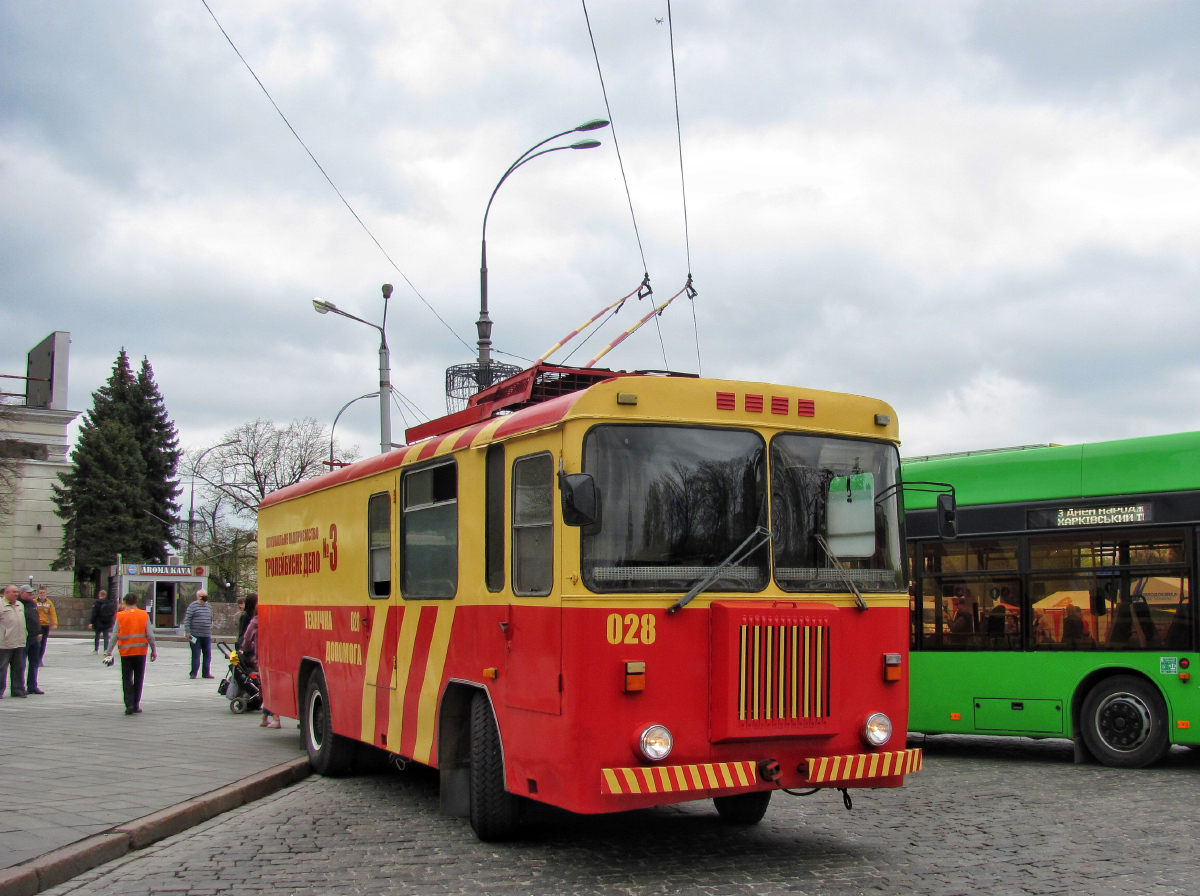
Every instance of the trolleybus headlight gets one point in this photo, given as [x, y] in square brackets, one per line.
[655, 743]
[877, 730]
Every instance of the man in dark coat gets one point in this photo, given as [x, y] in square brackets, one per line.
[33, 646]
[103, 613]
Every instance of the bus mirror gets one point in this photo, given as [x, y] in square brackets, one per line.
[1099, 605]
[580, 499]
[947, 516]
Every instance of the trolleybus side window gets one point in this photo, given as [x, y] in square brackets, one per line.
[429, 526]
[1122, 591]
[970, 595]
[823, 507]
[379, 536]
[675, 501]
[493, 535]
[533, 524]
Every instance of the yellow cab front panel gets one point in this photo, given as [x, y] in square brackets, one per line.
[446, 568]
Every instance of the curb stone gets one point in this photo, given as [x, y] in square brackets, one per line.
[60, 865]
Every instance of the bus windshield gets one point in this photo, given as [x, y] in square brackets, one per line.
[810, 474]
[675, 502]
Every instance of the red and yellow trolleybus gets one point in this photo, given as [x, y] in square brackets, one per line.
[603, 591]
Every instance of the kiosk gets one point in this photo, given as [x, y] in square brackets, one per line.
[163, 590]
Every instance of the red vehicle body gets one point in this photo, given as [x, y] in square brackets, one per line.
[439, 603]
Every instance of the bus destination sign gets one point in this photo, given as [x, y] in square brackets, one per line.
[1072, 517]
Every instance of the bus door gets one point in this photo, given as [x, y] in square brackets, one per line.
[534, 629]
[380, 619]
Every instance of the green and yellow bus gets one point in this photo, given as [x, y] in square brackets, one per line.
[1064, 606]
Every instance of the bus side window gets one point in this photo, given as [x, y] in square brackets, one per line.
[493, 514]
[379, 535]
[429, 533]
[533, 524]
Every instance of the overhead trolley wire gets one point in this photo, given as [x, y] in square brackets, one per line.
[624, 180]
[691, 291]
[325, 174]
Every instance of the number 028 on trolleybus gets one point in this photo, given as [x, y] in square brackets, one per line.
[1065, 607]
[603, 591]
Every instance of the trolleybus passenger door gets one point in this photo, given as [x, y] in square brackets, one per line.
[380, 619]
[534, 631]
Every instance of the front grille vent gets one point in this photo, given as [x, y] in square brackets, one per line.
[783, 672]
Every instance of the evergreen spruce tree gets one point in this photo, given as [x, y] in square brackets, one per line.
[121, 477]
[103, 500]
[159, 443]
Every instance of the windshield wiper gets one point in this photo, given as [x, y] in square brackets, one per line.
[740, 553]
[837, 564]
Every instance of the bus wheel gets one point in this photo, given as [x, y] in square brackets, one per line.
[495, 813]
[743, 808]
[1124, 723]
[328, 753]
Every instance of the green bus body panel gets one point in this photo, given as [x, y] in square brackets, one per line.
[954, 681]
[1128, 466]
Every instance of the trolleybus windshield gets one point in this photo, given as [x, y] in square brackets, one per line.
[809, 476]
[675, 501]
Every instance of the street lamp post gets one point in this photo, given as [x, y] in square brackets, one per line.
[333, 428]
[192, 498]
[484, 325]
[385, 369]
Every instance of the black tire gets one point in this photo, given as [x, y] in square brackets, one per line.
[495, 813]
[1124, 723]
[329, 754]
[743, 808]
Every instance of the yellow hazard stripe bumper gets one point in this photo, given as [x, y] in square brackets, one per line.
[678, 778]
[859, 766]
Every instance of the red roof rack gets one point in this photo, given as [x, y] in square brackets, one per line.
[539, 383]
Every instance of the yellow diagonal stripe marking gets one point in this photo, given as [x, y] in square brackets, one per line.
[431, 686]
[371, 673]
[610, 778]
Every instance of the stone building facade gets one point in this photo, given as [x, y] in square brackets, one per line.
[34, 432]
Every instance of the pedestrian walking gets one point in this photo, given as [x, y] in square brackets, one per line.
[102, 619]
[47, 619]
[134, 638]
[197, 625]
[33, 639]
[12, 642]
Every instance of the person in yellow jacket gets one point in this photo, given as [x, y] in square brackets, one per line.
[47, 619]
[134, 638]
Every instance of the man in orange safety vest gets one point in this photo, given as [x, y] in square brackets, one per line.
[134, 638]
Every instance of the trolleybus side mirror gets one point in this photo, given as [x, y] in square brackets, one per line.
[580, 498]
[947, 516]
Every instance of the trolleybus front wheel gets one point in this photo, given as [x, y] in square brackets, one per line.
[743, 808]
[1124, 723]
[495, 813]
[330, 754]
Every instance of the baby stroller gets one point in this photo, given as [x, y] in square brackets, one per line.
[240, 685]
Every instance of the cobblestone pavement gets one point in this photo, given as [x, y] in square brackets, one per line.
[74, 764]
[985, 815]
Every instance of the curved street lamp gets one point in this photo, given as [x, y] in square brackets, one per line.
[385, 368]
[333, 428]
[484, 325]
[192, 501]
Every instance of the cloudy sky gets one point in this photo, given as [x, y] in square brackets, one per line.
[987, 214]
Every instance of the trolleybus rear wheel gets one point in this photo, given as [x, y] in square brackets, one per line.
[495, 813]
[743, 808]
[330, 754]
[1124, 723]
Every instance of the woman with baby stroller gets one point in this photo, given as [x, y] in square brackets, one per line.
[248, 654]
